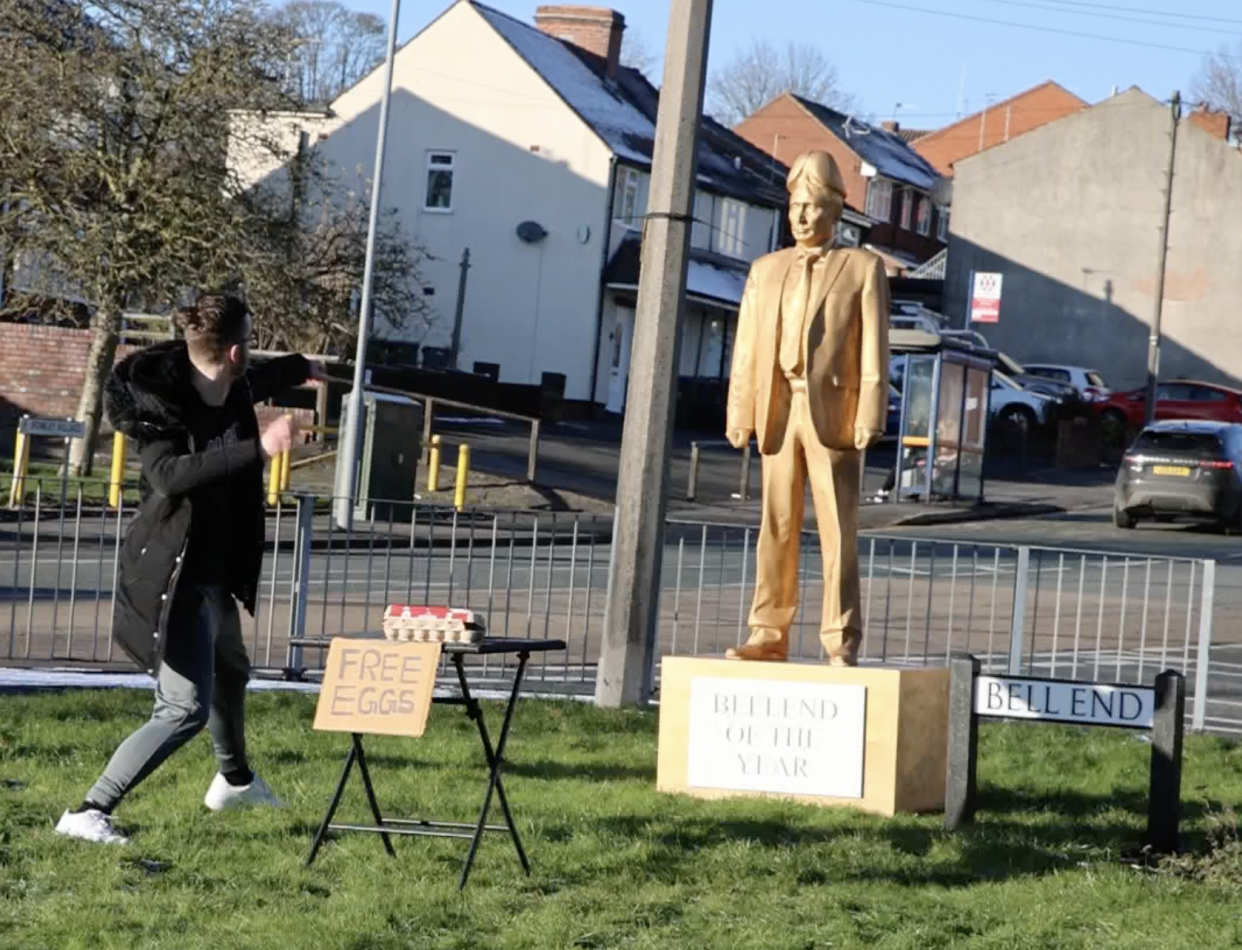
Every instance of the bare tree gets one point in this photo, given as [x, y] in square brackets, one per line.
[307, 258]
[761, 72]
[1218, 83]
[636, 54]
[332, 47]
[116, 176]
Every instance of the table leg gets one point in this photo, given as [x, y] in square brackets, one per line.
[336, 800]
[366, 783]
[495, 761]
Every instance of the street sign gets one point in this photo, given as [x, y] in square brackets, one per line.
[61, 428]
[985, 298]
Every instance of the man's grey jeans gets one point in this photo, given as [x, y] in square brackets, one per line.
[201, 682]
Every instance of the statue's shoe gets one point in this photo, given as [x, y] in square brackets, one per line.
[842, 661]
[773, 652]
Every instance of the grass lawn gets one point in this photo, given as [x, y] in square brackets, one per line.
[615, 863]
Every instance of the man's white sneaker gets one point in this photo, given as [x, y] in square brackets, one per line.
[222, 796]
[90, 825]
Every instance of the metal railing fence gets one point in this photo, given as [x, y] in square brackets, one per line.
[1021, 609]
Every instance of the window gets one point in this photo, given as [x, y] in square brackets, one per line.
[732, 228]
[1095, 379]
[629, 198]
[942, 224]
[847, 235]
[439, 182]
[907, 208]
[1207, 394]
[1050, 372]
[923, 221]
[880, 200]
[1175, 392]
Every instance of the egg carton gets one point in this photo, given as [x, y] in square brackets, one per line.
[432, 624]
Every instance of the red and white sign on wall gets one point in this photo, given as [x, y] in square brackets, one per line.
[985, 298]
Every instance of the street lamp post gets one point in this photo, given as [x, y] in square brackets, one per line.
[347, 469]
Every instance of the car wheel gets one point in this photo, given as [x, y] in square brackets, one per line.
[1113, 427]
[1018, 419]
[1233, 526]
[1123, 519]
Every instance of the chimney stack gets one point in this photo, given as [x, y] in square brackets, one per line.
[891, 125]
[595, 29]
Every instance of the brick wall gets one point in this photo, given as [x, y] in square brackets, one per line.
[42, 369]
[1001, 122]
[799, 132]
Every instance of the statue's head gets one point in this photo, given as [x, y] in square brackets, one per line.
[816, 198]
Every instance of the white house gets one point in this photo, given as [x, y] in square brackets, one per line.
[531, 146]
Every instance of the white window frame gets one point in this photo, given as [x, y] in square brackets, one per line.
[942, 224]
[434, 163]
[922, 222]
[629, 199]
[880, 200]
[907, 209]
[731, 237]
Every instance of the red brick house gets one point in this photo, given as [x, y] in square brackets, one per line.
[892, 183]
[997, 124]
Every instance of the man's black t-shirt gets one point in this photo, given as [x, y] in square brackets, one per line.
[213, 507]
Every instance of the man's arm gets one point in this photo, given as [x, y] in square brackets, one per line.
[276, 376]
[172, 471]
[740, 412]
[873, 392]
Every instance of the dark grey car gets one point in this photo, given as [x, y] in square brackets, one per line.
[1182, 470]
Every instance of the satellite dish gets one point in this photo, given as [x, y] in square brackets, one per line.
[531, 232]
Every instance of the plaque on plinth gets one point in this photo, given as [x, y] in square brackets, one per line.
[872, 738]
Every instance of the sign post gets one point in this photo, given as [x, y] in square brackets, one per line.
[985, 297]
[1159, 709]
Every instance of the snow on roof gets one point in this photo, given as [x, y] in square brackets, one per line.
[888, 152]
[704, 280]
[611, 116]
[623, 110]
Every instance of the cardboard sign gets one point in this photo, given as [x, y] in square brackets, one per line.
[377, 687]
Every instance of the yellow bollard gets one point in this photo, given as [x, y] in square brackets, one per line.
[116, 484]
[273, 482]
[463, 474]
[21, 466]
[433, 465]
[284, 470]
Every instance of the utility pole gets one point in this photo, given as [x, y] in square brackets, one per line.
[461, 305]
[1153, 343]
[347, 462]
[627, 655]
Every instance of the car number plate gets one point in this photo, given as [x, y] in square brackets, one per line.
[1179, 471]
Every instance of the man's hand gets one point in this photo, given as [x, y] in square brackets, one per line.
[319, 372]
[865, 437]
[738, 437]
[278, 436]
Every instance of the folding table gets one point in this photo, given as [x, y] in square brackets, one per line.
[457, 652]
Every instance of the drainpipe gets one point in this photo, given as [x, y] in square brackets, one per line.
[603, 266]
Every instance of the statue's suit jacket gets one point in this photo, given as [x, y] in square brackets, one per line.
[846, 350]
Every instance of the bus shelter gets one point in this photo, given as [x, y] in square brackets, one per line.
[945, 386]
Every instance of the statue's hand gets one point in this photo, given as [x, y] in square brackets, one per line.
[865, 437]
[738, 437]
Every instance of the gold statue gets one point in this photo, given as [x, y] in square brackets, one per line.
[810, 381]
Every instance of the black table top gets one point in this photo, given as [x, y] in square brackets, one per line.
[485, 647]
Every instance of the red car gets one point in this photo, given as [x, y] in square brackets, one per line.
[1182, 399]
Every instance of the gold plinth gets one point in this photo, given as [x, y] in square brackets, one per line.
[785, 729]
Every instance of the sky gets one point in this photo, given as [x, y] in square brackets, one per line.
[938, 58]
